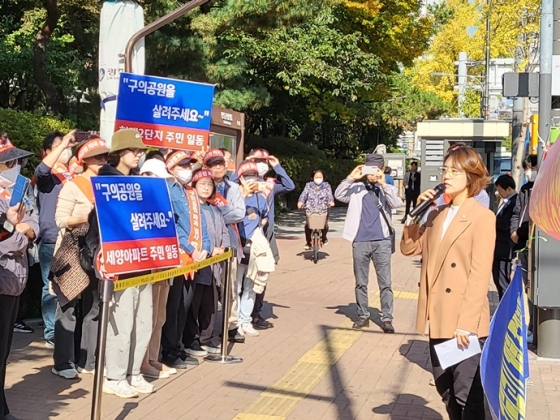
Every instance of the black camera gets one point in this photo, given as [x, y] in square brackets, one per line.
[6, 227]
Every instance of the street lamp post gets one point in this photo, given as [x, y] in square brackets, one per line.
[486, 94]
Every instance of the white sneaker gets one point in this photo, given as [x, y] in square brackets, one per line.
[138, 383]
[249, 330]
[119, 388]
[86, 371]
[65, 373]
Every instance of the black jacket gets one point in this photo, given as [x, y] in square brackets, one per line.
[504, 244]
[520, 216]
[408, 181]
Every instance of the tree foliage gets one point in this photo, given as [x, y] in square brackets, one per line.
[460, 25]
[328, 73]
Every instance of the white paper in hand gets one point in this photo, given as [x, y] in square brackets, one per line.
[449, 353]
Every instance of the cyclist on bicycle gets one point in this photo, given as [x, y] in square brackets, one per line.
[317, 197]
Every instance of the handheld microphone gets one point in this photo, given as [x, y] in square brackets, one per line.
[423, 206]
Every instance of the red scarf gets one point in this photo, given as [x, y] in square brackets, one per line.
[61, 172]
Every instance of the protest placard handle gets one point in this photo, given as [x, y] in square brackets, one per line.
[228, 282]
[105, 296]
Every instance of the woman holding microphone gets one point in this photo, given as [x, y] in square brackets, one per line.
[457, 247]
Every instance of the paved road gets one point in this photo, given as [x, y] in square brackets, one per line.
[312, 365]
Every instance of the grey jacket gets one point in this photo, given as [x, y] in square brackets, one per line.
[13, 256]
[353, 193]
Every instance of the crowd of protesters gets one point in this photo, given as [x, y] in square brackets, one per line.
[157, 329]
[154, 329]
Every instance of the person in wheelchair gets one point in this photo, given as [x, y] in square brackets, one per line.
[317, 197]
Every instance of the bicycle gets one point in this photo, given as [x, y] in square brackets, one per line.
[316, 222]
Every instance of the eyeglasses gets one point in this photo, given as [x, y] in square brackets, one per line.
[137, 152]
[452, 172]
[218, 164]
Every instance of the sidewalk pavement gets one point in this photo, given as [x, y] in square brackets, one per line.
[311, 365]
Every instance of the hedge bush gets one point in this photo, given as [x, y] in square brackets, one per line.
[27, 130]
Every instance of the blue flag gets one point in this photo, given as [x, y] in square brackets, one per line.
[504, 364]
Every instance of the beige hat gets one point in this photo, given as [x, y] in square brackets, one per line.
[126, 139]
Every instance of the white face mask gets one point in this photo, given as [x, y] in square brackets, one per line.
[184, 176]
[65, 156]
[250, 178]
[318, 181]
[531, 175]
[262, 168]
[9, 176]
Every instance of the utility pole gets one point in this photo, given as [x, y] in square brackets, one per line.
[461, 81]
[545, 74]
[548, 315]
[517, 131]
[486, 94]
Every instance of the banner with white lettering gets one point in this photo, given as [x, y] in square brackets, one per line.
[169, 113]
[504, 364]
[136, 223]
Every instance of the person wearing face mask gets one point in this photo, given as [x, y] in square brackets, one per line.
[195, 246]
[152, 367]
[368, 226]
[276, 182]
[75, 203]
[230, 201]
[255, 220]
[130, 316]
[23, 229]
[519, 227]
[51, 174]
[316, 197]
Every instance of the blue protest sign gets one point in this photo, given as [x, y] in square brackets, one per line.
[504, 364]
[169, 113]
[136, 223]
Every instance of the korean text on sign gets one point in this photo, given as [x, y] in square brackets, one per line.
[136, 223]
[168, 113]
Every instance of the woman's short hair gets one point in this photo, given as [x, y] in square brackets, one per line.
[467, 159]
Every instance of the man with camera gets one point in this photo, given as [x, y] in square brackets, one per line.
[368, 226]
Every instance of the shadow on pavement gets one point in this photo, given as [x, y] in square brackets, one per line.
[308, 255]
[405, 403]
[53, 403]
[417, 352]
[128, 407]
[351, 312]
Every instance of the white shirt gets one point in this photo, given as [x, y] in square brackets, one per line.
[504, 202]
[449, 218]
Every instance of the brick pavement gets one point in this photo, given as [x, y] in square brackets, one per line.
[310, 366]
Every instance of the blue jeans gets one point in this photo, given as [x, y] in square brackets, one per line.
[245, 294]
[48, 302]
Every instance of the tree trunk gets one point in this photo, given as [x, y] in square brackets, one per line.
[518, 147]
[53, 94]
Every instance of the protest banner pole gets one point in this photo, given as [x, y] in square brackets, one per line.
[227, 284]
[154, 26]
[105, 296]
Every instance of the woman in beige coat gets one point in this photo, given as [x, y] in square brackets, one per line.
[457, 247]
